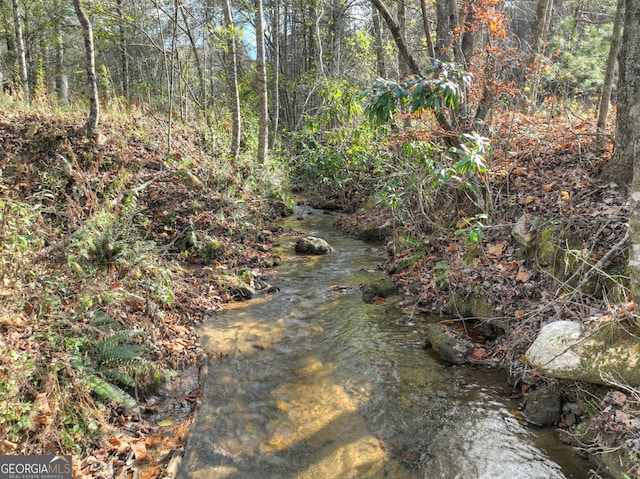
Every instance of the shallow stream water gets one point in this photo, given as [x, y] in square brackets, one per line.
[312, 383]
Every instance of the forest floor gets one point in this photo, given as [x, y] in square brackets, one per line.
[101, 238]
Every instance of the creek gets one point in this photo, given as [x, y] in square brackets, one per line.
[311, 382]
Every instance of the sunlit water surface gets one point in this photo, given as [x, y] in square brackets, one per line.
[311, 382]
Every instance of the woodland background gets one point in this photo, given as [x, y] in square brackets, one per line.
[147, 149]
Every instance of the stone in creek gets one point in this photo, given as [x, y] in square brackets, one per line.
[543, 406]
[383, 288]
[452, 349]
[313, 245]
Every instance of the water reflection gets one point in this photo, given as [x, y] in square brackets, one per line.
[311, 382]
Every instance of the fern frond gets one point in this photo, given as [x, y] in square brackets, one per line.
[110, 392]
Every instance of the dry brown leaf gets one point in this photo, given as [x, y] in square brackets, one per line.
[565, 195]
[7, 447]
[496, 250]
[378, 299]
[517, 414]
[139, 448]
[518, 171]
[529, 199]
[519, 315]
[547, 188]
[523, 276]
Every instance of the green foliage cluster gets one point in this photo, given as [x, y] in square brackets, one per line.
[115, 360]
[578, 47]
[336, 155]
[443, 88]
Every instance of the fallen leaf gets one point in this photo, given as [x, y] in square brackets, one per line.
[547, 188]
[517, 414]
[378, 299]
[7, 447]
[565, 195]
[520, 315]
[139, 448]
[496, 251]
[523, 276]
[518, 171]
[529, 199]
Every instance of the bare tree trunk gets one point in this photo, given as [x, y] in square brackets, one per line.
[22, 57]
[124, 55]
[396, 33]
[263, 111]
[539, 36]
[605, 98]
[275, 74]
[541, 27]
[171, 74]
[379, 47]
[427, 29]
[60, 77]
[628, 134]
[92, 81]
[403, 68]
[202, 98]
[447, 17]
[626, 159]
[232, 75]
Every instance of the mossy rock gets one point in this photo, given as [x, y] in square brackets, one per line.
[546, 246]
[588, 352]
[382, 288]
[474, 306]
[375, 232]
[237, 287]
[449, 348]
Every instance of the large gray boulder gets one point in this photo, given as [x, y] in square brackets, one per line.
[313, 245]
[596, 352]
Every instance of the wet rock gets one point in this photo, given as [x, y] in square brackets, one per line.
[523, 232]
[375, 232]
[543, 407]
[447, 346]
[382, 288]
[313, 245]
[587, 352]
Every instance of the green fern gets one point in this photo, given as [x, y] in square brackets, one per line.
[116, 359]
[110, 392]
[120, 358]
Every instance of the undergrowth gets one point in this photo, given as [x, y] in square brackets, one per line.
[98, 239]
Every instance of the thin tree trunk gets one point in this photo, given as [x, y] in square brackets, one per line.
[196, 56]
[60, 78]
[22, 56]
[605, 98]
[124, 55]
[275, 74]
[427, 28]
[403, 68]
[263, 111]
[379, 47]
[539, 36]
[232, 76]
[171, 77]
[92, 81]
[396, 33]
